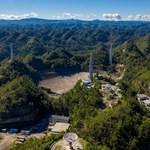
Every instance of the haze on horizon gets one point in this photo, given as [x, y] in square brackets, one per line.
[79, 9]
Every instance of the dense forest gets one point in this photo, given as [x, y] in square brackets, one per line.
[57, 45]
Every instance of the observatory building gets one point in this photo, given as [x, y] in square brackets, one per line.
[70, 139]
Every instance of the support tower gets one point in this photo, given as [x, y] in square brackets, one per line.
[110, 54]
[91, 67]
[11, 52]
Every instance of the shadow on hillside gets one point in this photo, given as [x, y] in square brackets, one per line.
[67, 72]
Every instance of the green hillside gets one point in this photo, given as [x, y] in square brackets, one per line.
[56, 45]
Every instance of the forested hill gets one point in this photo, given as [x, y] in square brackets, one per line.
[63, 44]
[66, 44]
[38, 36]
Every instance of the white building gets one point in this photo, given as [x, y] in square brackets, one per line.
[142, 97]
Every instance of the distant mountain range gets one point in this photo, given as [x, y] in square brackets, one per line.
[39, 21]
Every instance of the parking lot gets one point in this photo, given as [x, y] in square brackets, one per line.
[37, 130]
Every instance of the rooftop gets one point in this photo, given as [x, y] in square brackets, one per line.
[59, 127]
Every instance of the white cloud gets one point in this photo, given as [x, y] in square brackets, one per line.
[139, 17]
[106, 16]
[77, 16]
[17, 17]
[142, 17]
[130, 17]
[94, 15]
[56, 17]
[111, 16]
[88, 17]
[67, 16]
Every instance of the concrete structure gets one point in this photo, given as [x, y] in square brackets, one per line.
[59, 127]
[91, 67]
[55, 118]
[11, 52]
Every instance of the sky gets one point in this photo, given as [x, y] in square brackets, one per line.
[76, 9]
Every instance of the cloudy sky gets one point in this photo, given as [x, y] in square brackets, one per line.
[77, 9]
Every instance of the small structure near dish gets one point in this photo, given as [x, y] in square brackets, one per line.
[70, 138]
[118, 90]
[106, 87]
[88, 83]
[144, 99]
[58, 124]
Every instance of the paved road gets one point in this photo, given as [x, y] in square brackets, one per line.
[7, 140]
